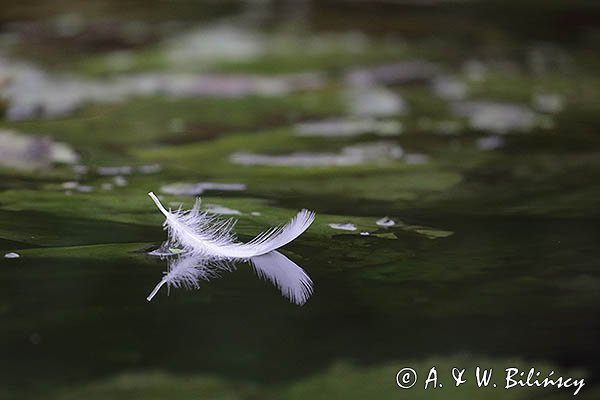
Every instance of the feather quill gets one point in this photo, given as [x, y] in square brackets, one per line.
[202, 234]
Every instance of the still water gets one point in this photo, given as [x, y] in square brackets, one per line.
[474, 134]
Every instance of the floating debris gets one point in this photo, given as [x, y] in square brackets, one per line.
[77, 186]
[497, 117]
[29, 93]
[12, 255]
[430, 233]
[80, 169]
[217, 209]
[85, 188]
[128, 170]
[195, 189]
[344, 127]
[112, 171]
[149, 169]
[63, 154]
[343, 227]
[550, 103]
[120, 181]
[490, 142]
[404, 72]
[255, 213]
[374, 100]
[416, 158]
[448, 127]
[387, 235]
[385, 222]
[449, 88]
[166, 251]
[70, 185]
[475, 70]
[215, 85]
[217, 43]
[350, 155]
[365, 233]
[31, 152]
[32, 93]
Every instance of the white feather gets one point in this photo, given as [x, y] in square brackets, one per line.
[202, 234]
[291, 280]
[187, 272]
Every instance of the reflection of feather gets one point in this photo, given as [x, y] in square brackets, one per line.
[203, 234]
[187, 272]
[289, 278]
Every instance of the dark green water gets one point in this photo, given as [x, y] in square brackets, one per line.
[493, 262]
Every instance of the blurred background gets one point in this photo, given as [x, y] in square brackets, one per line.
[449, 148]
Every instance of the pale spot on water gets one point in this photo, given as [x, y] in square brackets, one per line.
[343, 227]
[385, 222]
